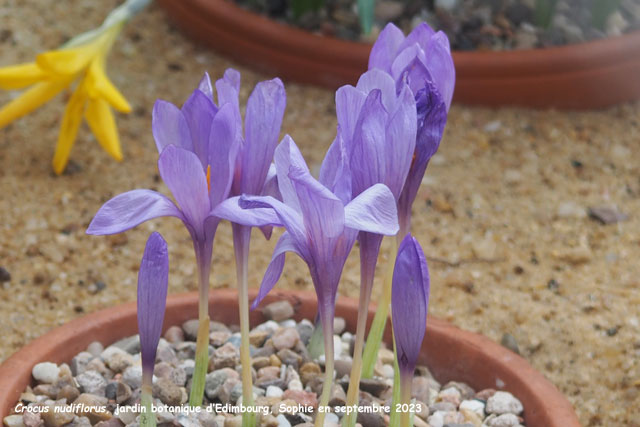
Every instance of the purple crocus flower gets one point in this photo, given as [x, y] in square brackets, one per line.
[409, 304]
[198, 146]
[422, 60]
[153, 281]
[320, 227]
[423, 55]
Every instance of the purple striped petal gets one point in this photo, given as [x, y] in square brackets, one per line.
[385, 48]
[322, 211]
[400, 142]
[440, 65]
[373, 211]
[288, 217]
[334, 171]
[378, 79]
[367, 149]
[205, 86]
[153, 282]
[421, 35]
[288, 155]
[257, 217]
[274, 270]
[409, 303]
[349, 102]
[130, 209]
[223, 149]
[182, 172]
[265, 110]
[199, 112]
[169, 126]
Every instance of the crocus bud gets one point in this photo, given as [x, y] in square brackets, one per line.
[409, 304]
[153, 280]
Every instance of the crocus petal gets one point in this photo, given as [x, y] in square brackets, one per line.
[409, 302]
[349, 102]
[153, 282]
[68, 61]
[199, 112]
[400, 141]
[385, 47]
[31, 99]
[205, 85]
[274, 270]
[21, 75]
[378, 79]
[265, 109]
[334, 171]
[228, 87]
[223, 148]
[100, 119]
[367, 150]
[373, 210]
[182, 172]
[231, 210]
[420, 35]
[287, 216]
[130, 209]
[69, 128]
[169, 126]
[440, 65]
[288, 155]
[99, 86]
[410, 67]
[270, 187]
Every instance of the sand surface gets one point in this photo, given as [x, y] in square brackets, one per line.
[501, 213]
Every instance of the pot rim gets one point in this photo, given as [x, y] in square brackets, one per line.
[476, 357]
[476, 64]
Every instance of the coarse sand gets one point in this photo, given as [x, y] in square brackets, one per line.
[502, 212]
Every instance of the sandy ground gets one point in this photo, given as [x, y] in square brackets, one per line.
[501, 214]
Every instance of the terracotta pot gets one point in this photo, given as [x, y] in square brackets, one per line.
[584, 76]
[451, 353]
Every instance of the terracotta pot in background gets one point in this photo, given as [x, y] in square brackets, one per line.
[450, 353]
[584, 76]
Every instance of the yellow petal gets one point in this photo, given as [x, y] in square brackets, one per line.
[103, 126]
[30, 100]
[69, 128]
[21, 75]
[99, 86]
[70, 61]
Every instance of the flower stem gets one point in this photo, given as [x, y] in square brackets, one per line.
[380, 319]
[369, 248]
[147, 417]
[241, 240]
[203, 257]
[327, 328]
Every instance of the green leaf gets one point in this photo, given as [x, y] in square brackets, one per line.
[365, 13]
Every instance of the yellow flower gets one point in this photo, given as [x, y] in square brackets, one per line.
[93, 97]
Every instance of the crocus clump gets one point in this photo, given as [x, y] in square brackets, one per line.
[409, 306]
[320, 228]
[422, 60]
[153, 282]
[378, 130]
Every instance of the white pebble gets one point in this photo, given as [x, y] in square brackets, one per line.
[337, 347]
[46, 372]
[273, 391]
[295, 385]
[503, 402]
[331, 418]
[283, 421]
[289, 323]
[387, 371]
[474, 405]
[504, 420]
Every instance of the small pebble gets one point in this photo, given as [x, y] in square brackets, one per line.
[45, 372]
[278, 311]
[503, 402]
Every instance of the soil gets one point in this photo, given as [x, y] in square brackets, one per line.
[502, 213]
[469, 24]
